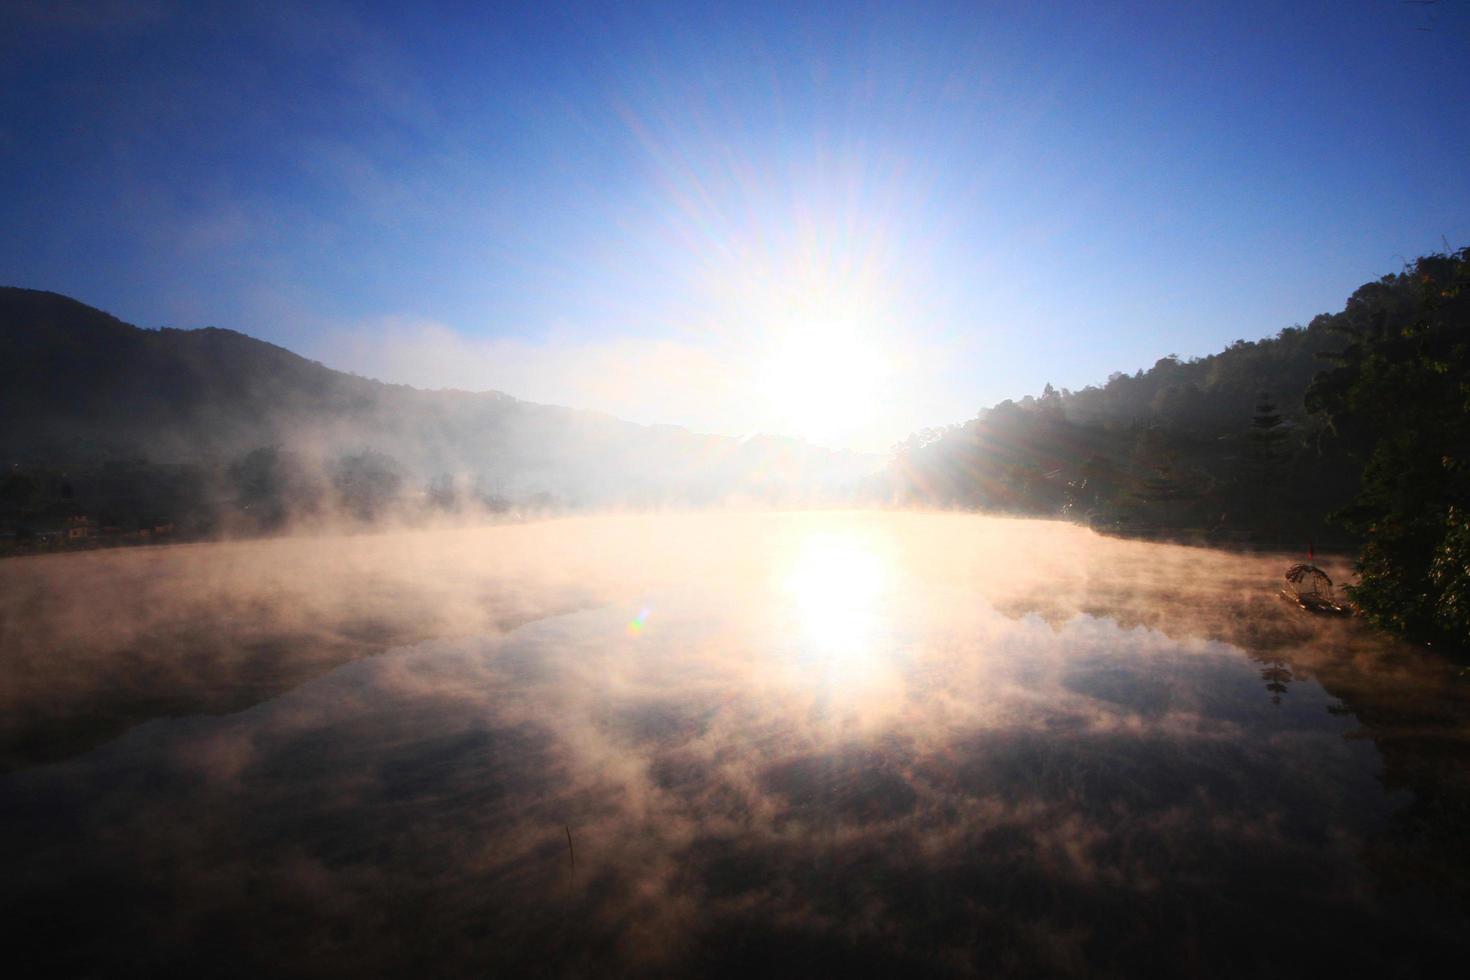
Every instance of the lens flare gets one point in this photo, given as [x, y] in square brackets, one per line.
[639, 621]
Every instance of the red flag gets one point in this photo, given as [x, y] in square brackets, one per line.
[1311, 551]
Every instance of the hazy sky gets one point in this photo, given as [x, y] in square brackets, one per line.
[845, 221]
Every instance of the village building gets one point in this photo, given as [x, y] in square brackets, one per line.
[80, 528]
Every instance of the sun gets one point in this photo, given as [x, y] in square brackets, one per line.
[825, 370]
[823, 381]
[810, 302]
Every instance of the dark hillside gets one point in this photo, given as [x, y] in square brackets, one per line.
[1220, 446]
[78, 386]
[1349, 432]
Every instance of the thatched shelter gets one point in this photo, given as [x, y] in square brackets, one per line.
[1309, 580]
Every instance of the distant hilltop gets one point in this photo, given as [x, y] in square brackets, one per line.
[80, 387]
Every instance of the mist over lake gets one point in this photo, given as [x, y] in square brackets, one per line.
[727, 743]
[759, 489]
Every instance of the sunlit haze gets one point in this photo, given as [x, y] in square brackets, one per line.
[734, 489]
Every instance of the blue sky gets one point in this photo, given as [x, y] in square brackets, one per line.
[845, 221]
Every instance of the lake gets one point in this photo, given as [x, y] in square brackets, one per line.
[808, 743]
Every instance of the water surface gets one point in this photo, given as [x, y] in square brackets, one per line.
[725, 744]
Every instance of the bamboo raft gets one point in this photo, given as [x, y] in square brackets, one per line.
[1310, 589]
[1322, 605]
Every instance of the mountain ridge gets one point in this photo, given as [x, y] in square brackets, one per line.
[79, 384]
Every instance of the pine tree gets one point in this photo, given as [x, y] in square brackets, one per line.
[1166, 487]
[1267, 438]
[1263, 467]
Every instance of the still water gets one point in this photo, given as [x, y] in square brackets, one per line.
[736, 744]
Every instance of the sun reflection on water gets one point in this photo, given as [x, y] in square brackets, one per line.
[837, 585]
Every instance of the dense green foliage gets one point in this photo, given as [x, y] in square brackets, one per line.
[1399, 398]
[1220, 447]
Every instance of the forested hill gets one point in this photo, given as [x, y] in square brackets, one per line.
[1218, 443]
[80, 388]
[1353, 430]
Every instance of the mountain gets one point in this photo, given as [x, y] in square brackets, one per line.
[79, 387]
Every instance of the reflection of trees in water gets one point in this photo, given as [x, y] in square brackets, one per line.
[1417, 712]
[1412, 702]
[1277, 676]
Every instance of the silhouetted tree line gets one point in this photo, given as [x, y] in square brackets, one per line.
[1351, 431]
[260, 492]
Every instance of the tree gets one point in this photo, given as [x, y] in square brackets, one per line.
[367, 483]
[1449, 577]
[1262, 487]
[1399, 397]
[443, 494]
[1265, 441]
[271, 485]
[1167, 487]
[1096, 486]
